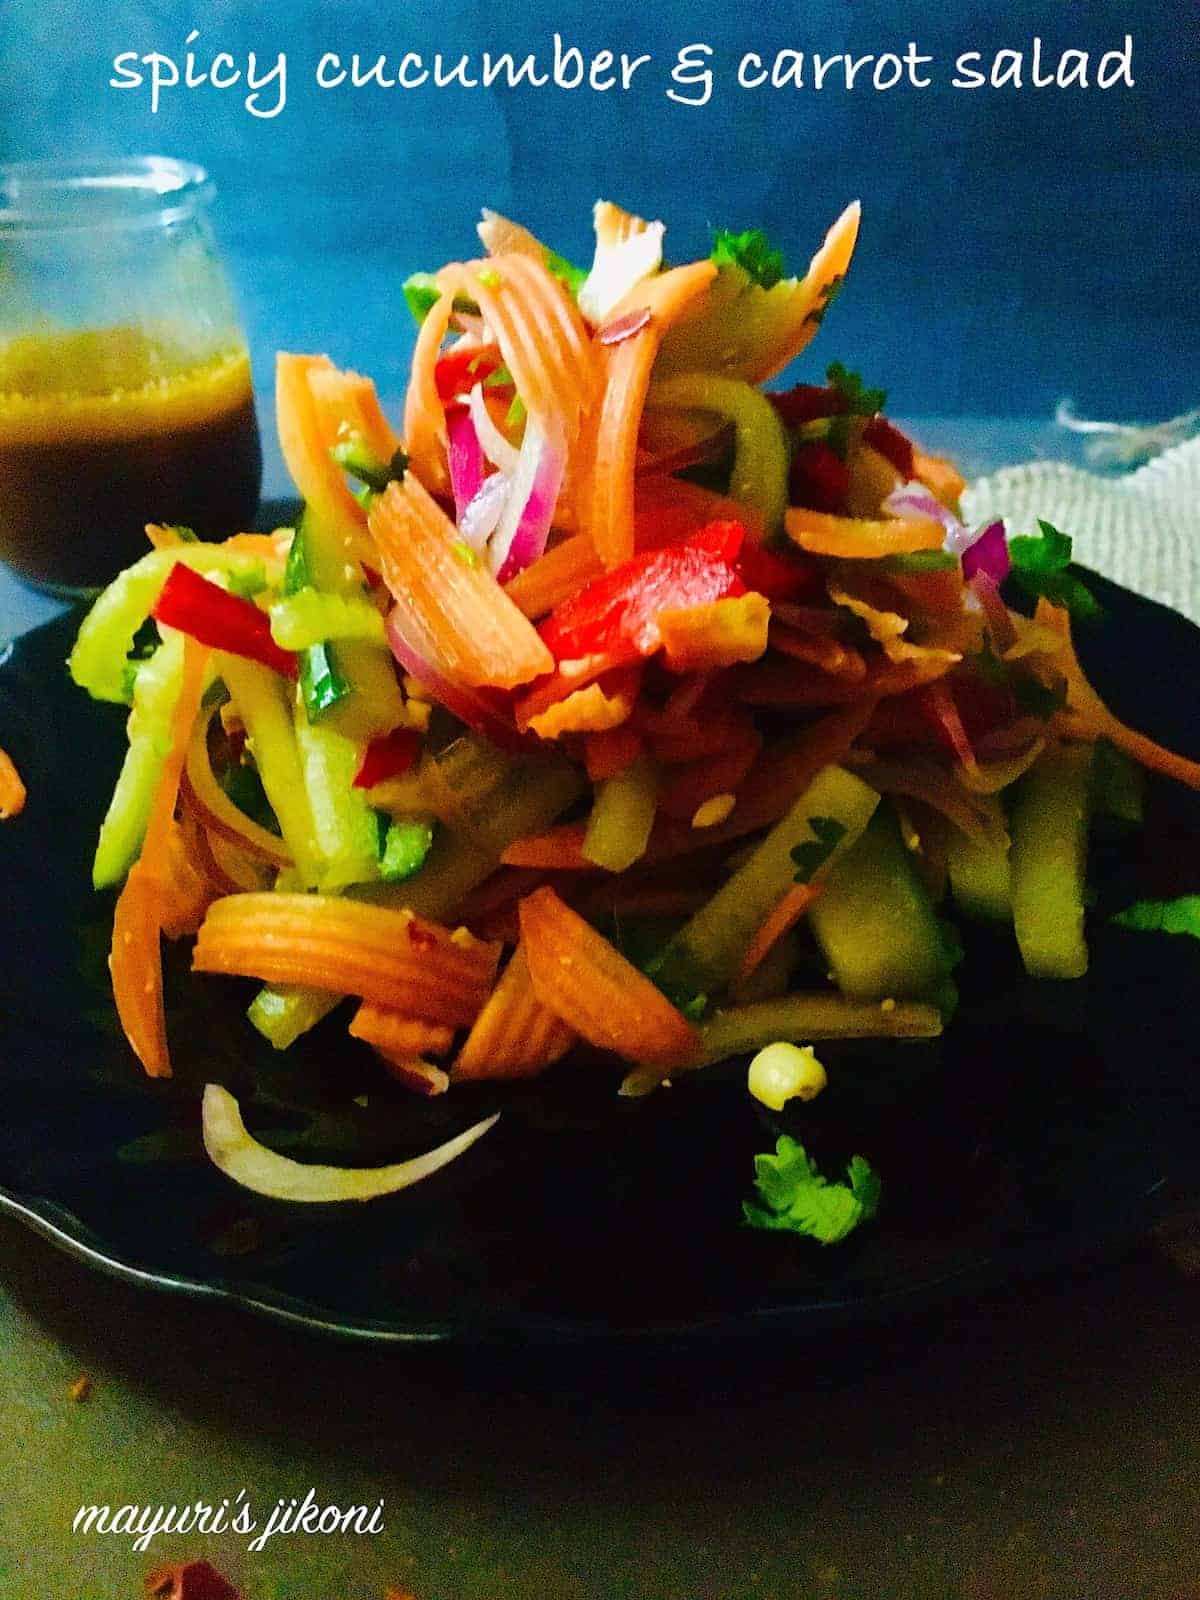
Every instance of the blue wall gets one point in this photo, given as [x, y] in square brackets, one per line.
[1016, 246]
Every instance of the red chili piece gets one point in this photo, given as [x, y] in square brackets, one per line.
[893, 445]
[458, 371]
[819, 478]
[807, 402]
[221, 620]
[389, 756]
[780, 578]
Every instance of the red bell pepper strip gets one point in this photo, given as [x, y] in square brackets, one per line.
[893, 445]
[389, 756]
[787, 578]
[819, 478]
[616, 616]
[221, 620]
[458, 371]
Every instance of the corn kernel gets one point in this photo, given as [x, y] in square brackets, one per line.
[783, 1072]
[713, 811]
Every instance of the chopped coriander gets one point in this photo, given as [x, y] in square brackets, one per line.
[753, 252]
[322, 684]
[421, 294]
[464, 553]
[515, 415]
[501, 378]
[810, 856]
[857, 400]
[1041, 565]
[353, 455]
[797, 1198]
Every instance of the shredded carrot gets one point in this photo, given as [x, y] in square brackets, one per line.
[348, 400]
[780, 920]
[888, 628]
[395, 1034]
[687, 787]
[791, 683]
[719, 633]
[414, 1073]
[305, 446]
[589, 710]
[325, 942]
[425, 436]
[542, 337]
[940, 477]
[818, 649]
[12, 789]
[483, 640]
[609, 518]
[515, 1035]
[135, 960]
[187, 890]
[1087, 715]
[611, 751]
[558, 848]
[554, 577]
[578, 974]
[860, 538]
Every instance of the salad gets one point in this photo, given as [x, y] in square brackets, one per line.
[613, 711]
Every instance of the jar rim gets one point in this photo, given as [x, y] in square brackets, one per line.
[72, 195]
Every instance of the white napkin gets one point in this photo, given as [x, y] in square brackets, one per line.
[1142, 529]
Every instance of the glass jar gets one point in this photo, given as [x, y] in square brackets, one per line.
[125, 390]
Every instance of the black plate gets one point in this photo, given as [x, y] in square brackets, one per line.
[1044, 1128]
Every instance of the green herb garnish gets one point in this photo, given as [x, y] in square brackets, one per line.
[1041, 563]
[797, 1198]
[753, 252]
[811, 855]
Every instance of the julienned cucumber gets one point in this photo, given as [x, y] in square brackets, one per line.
[875, 923]
[979, 869]
[1050, 820]
[707, 950]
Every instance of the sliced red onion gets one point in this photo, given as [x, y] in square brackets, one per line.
[987, 553]
[624, 327]
[465, 458]
[914, 502]
[418, 654]
[495, 446]
[478, 521]
[524, 526]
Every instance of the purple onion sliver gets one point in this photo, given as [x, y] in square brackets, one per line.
[466, 460]
[415, 651]
[988, 553]
[533, 530]
[915, 503]
[478, 521]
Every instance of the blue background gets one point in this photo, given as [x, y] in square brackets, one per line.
[1017, 245]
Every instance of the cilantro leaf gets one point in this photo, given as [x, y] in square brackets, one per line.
[753, 252]
[1041, 565]
[797, 1198]
[857, 399]
[1163, 916]
[811, 855]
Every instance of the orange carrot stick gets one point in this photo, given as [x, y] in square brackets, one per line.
[12, 789]
[391, 957]
[558, 848]
[425, 436]
[515, 1035]
[1088, 715]
[782, 918]
[483, 640]
[395, 1034]
[135, 960]
[578, 974]
[823, 534]
[609, 514]
[554, 577]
